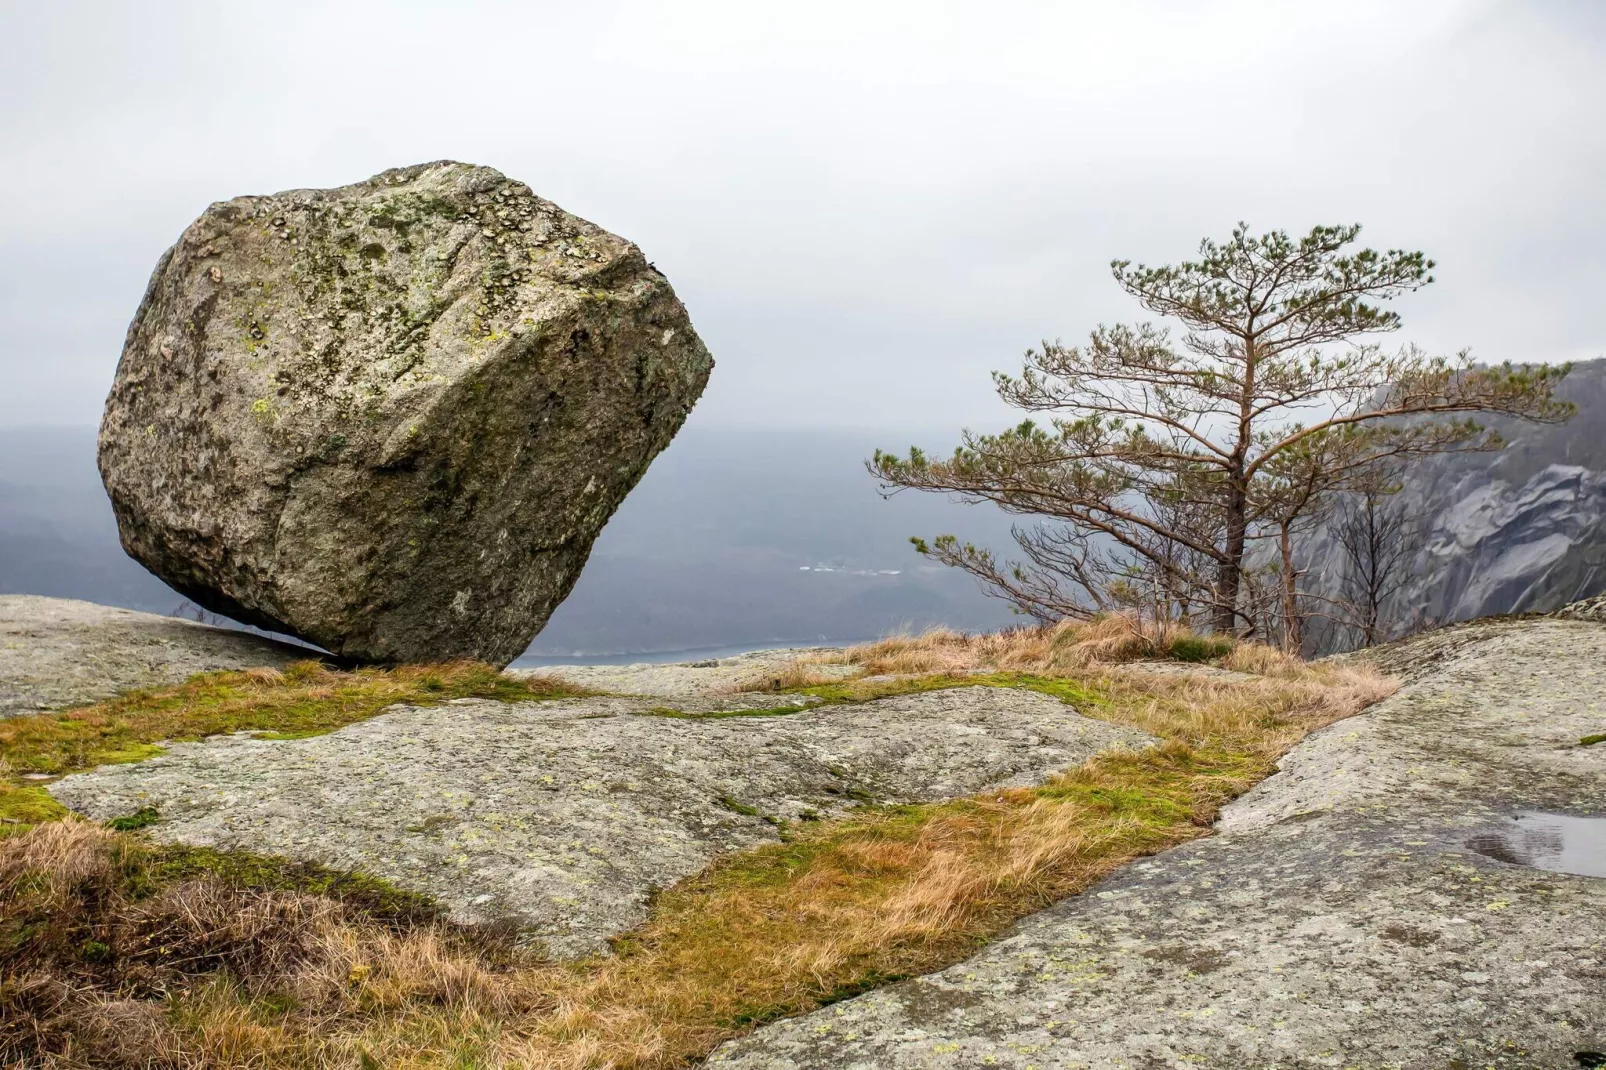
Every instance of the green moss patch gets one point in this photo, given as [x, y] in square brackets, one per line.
[25, 805]
[144, 817]
[306, 699]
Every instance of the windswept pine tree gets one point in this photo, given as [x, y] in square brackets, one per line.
[1165, 457]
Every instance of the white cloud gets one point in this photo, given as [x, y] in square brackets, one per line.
[866, 206]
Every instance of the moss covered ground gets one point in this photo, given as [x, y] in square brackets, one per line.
[305, 699]
[286, 966]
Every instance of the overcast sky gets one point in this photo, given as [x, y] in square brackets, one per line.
[866, 206]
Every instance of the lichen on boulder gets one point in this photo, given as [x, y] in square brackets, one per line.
[391, 418]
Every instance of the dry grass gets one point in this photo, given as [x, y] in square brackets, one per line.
[95, 936]
[1065, 648]
[804, 671]
[839, 907]
[1265, 661]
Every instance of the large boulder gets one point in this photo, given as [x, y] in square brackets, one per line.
[391, 418]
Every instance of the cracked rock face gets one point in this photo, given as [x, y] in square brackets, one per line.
[391, 418]
[563, 816]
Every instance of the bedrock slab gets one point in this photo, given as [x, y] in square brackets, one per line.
[563, 816]
[61, 652]
[689, 679]
[1342, 917]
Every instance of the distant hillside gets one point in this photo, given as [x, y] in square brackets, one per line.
[1520, 530]
[734, 538]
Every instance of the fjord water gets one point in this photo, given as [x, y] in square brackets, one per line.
[705, 558]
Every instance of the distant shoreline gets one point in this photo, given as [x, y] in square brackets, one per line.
[664, 657]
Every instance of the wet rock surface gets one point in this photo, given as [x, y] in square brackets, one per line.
[1343, 916]
[564, 815]
[1563, 843]
[60, 652]
[391, 418]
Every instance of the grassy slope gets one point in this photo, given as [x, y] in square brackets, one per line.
[838, 907]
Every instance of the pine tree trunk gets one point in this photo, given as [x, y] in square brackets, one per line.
[1230, 575]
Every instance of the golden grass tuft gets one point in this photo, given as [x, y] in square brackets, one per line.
[1066, 647]
[1263, 660]
[838, 907]
[802, 671]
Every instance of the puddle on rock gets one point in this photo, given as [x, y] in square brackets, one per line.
[1562, 843]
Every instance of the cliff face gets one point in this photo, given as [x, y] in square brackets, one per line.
[1500, 547]
[1515, 531]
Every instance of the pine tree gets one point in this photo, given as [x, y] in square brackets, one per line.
[1164, 459]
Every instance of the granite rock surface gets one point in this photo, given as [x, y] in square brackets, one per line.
[1364, 907]
[691, 679]
[61, 652]
[563, 816]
